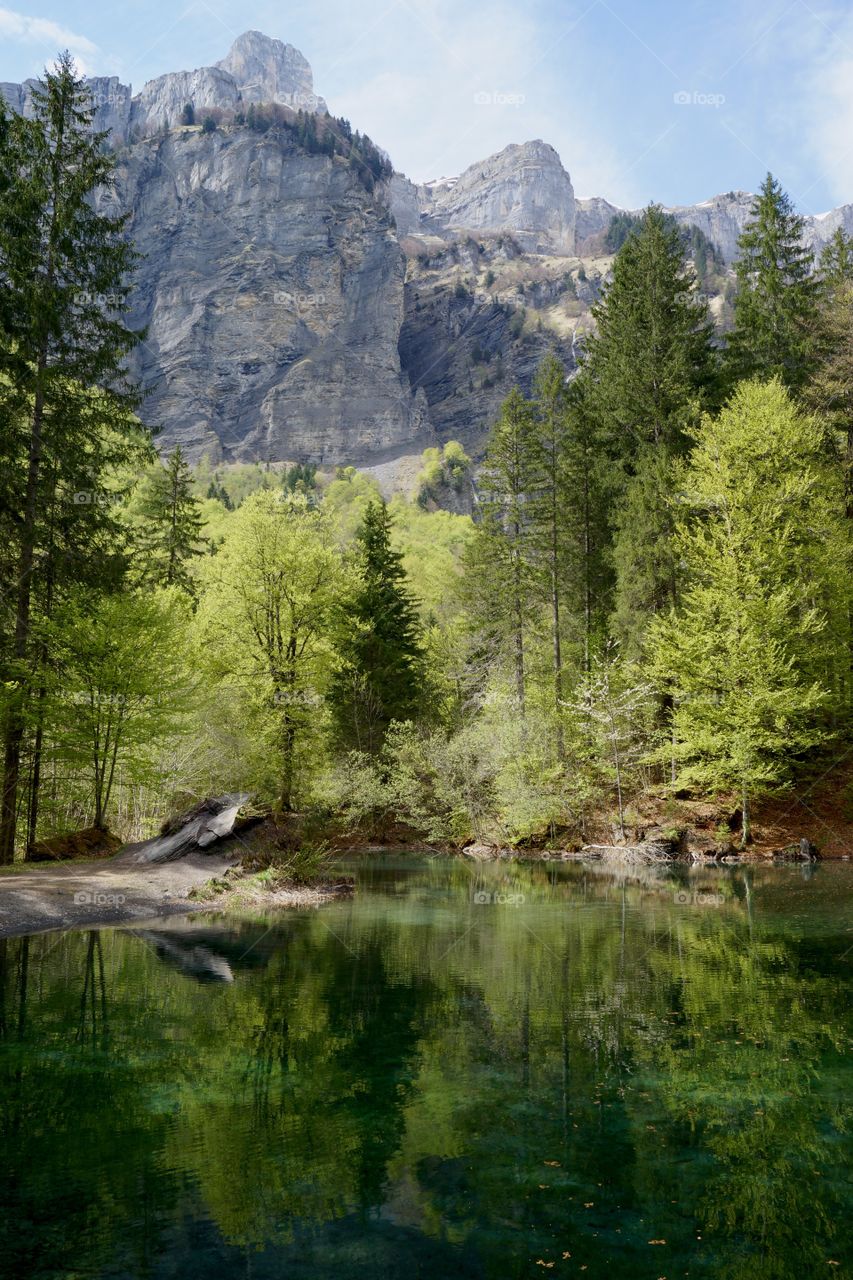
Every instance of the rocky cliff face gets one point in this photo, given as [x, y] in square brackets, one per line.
[272, 288]
[269, 71]
[285, 322]
[257, 69]
[523, 189]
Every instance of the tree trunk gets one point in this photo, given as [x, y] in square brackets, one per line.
[746, 824]
[14, 734]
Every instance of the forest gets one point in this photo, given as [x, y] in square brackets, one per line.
[653, 594]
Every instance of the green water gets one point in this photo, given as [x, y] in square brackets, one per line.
[416, 1082]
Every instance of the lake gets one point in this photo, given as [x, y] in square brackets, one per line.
[465, 1070]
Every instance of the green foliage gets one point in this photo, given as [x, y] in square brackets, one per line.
[208, 125]
[442, 469]
[123, 685]
[170, 518]
[776, 296]
[621, 226]
[836, 261]
[264, 622]
[650, 366]
[649, 371]
[380, 672]
[65, 399]
[188, 114]
[500, 562]
[757, 651]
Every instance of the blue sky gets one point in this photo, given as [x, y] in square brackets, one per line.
[643, 100]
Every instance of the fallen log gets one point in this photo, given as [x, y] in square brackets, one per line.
[209, 822]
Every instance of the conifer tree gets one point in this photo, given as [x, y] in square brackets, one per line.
[502, 557]
[754, 660]
[777, 291]
[171, 536]
[381, 672]
[592, 485]
[64, 275]
[650, 366]
[836, 261]
[551, 504]
[650, 370]
[830, 388]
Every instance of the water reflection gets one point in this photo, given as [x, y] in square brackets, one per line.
[462, 1071]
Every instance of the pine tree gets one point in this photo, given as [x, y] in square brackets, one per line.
[650, 366]
[551, 503]
[64, 271]
[649, 371]
[754, 660]
[777, 292]
[381, 671]
[592, 486]
[501, 561]
[836, 261]
[171, 536]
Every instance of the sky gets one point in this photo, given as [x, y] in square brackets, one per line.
[643, 99]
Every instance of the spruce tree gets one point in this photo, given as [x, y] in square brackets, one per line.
[381, 668]
[649, 371]
[171, 537]
[836, 261]
[551, 504]
[650, 365]
[777, 291]
[829, 391]
[64, 275]
[502, 558]
[592, 486]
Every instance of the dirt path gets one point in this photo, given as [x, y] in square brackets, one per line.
[76, 894]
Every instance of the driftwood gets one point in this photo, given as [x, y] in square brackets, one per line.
[636, 853]
[207, 823]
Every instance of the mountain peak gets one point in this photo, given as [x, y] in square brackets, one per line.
[268, 70]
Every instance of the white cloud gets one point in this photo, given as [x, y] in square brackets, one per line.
[830, 118]
[467, 80]
[51, 37]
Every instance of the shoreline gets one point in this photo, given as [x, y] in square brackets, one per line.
[44, 898]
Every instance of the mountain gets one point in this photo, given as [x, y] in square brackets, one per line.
[523, 189]
[305, 303]
[256, 69]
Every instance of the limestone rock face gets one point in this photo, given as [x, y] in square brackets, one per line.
[591, 216]
[722, 219]
[161, 101]
[823, 226]
[272, 288]
[524, 189]
[110, 97]
[268, 70]
[405, 201]
[257, 69]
